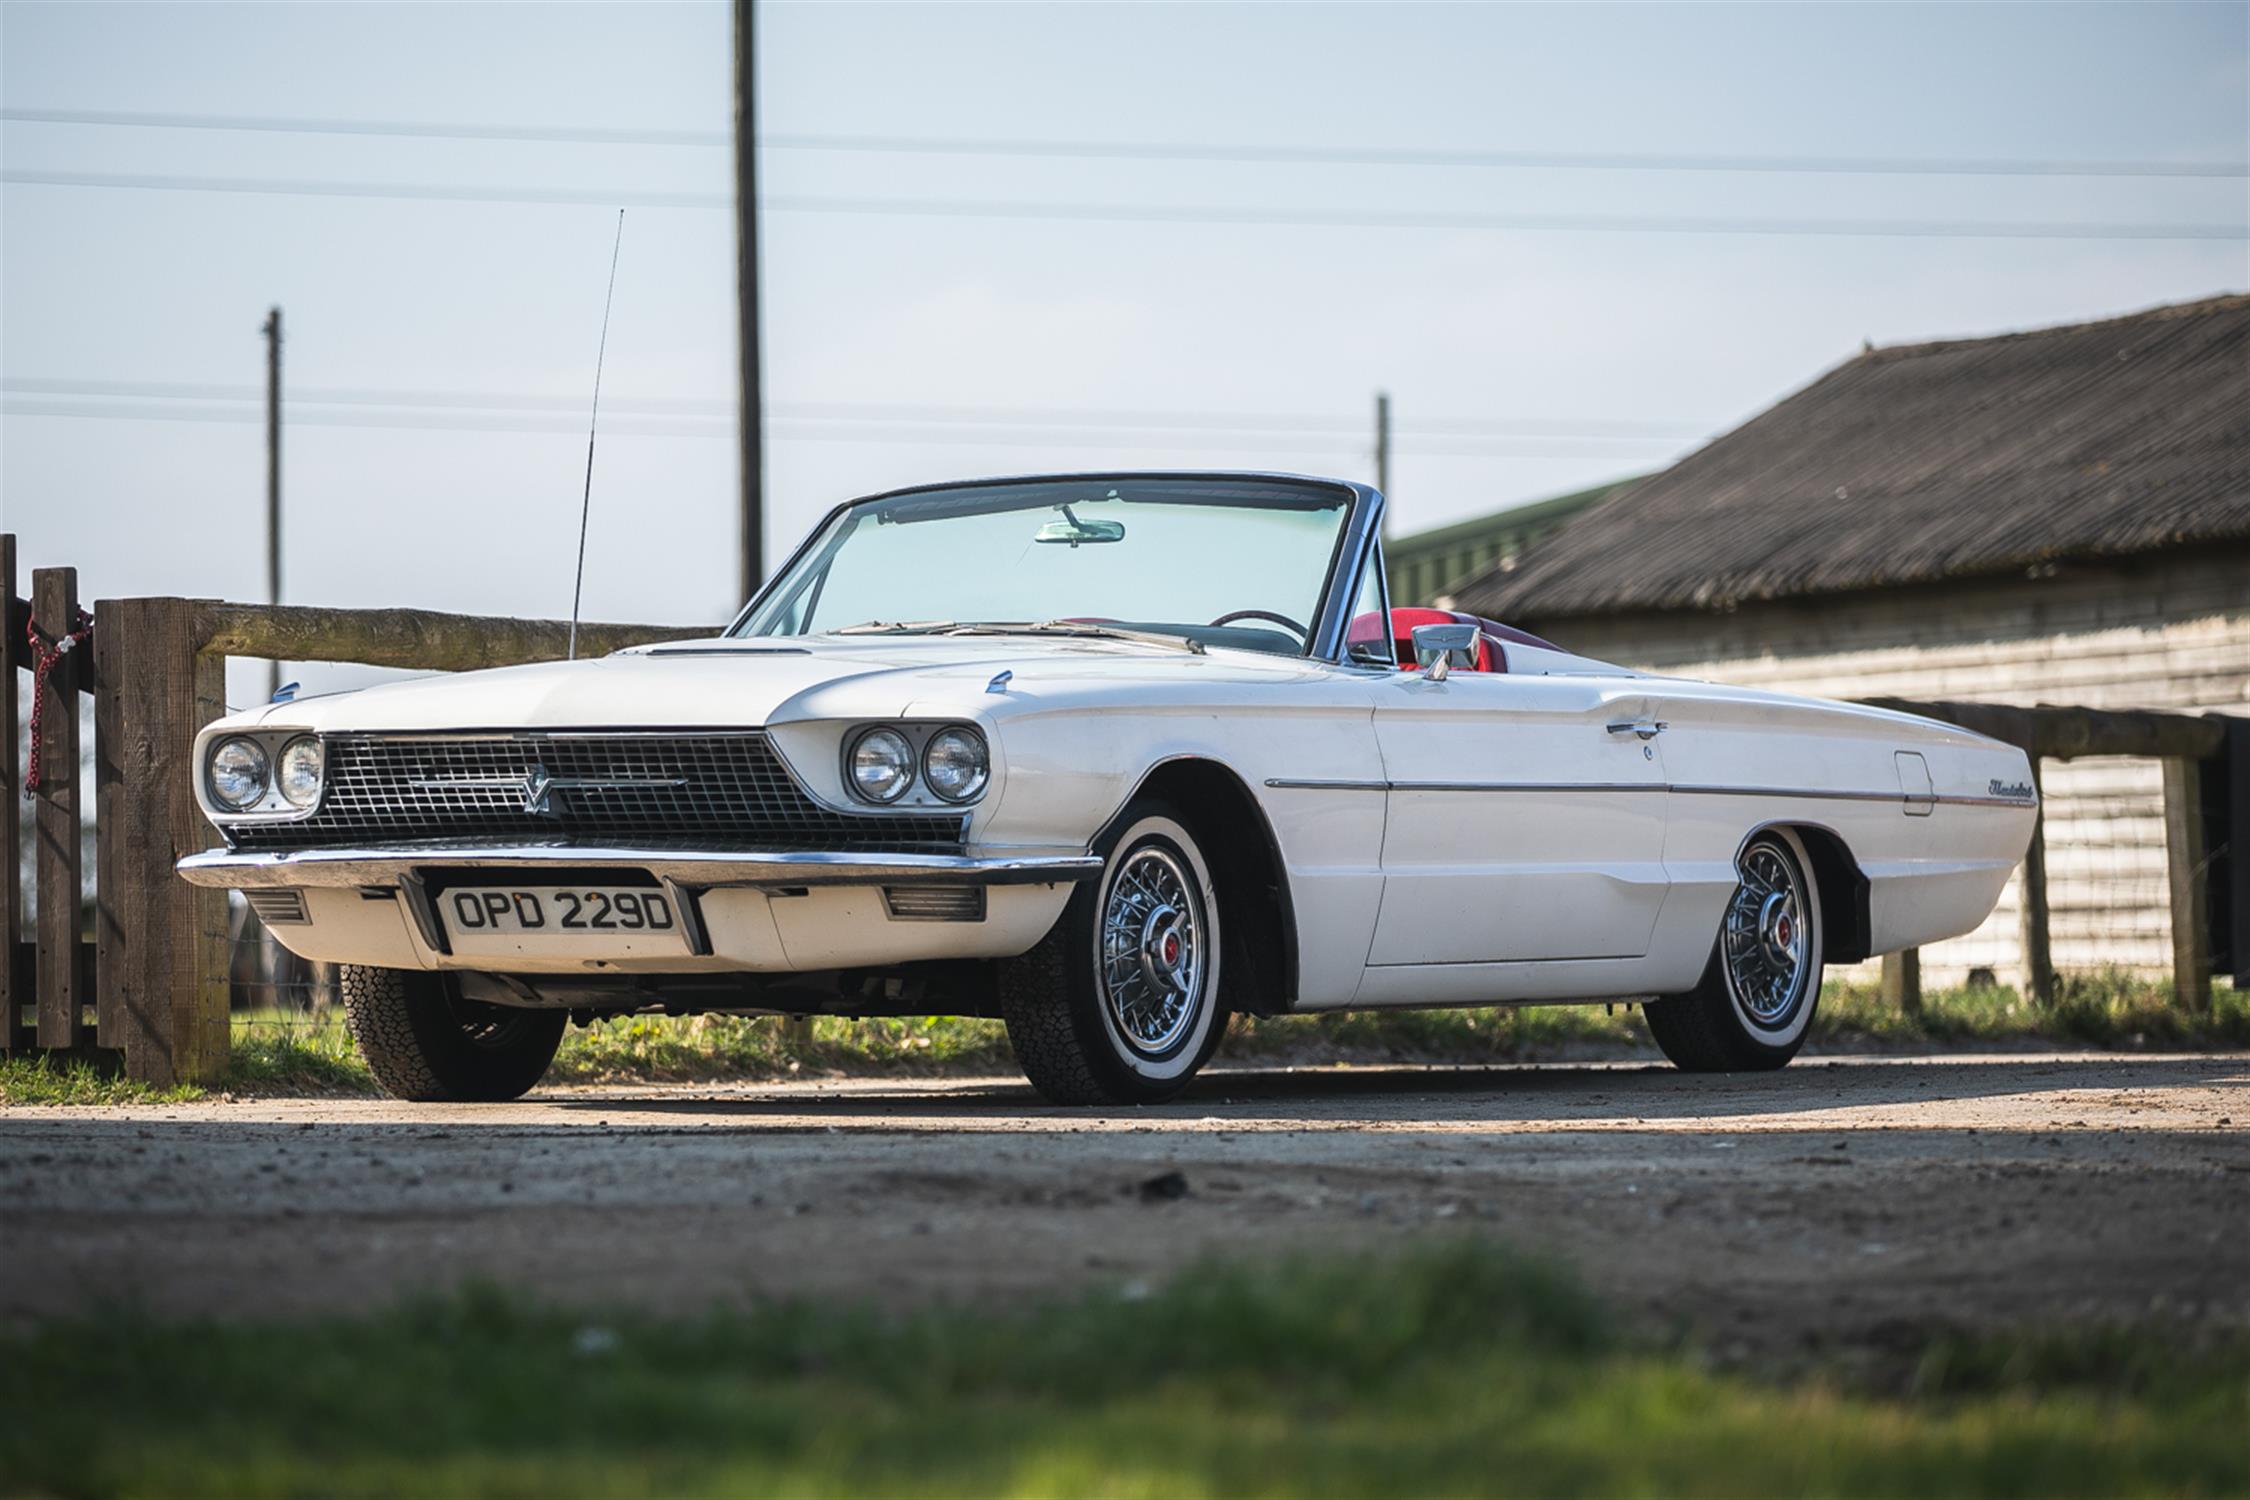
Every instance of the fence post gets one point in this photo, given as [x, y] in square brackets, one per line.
[1902, 981]
[161, 941]
[60, 864]
[2038, 955]
[2189, 876]
[15, 1036]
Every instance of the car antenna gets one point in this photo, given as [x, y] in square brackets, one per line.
[586, 501]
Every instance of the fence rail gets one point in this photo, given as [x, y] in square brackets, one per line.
[152, 984]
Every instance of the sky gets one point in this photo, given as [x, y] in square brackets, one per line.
[1522, 360]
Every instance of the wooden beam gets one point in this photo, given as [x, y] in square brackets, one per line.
[2062, 733]
[2189, 871]
[15, 1035]
[1902, 981]
[420, 639]
[2038, 949]
[59, 865]
[162, 942]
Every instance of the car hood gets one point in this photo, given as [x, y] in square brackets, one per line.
[729, 684]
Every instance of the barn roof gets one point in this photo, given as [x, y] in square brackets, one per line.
[1927, 462]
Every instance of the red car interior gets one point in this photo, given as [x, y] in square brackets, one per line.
[1492, 636]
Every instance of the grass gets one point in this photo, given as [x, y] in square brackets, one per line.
[47, 1080]
[1452, 1368]
[298, 1053]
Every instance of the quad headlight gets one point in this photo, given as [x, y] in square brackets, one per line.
[240, 773]
[881, 763]
[302, 765]
[264, 774]
[884, 762]
[955, 764]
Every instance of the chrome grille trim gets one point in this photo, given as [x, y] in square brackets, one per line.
[692, 789]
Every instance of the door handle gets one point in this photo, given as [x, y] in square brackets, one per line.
[1647, 729]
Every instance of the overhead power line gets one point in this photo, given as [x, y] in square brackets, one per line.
[892, 433]
[1116, 213]
[915, 413]
[1244, 153]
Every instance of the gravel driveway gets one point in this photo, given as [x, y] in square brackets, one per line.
[1834, 1205]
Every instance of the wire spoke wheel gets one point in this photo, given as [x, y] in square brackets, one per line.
[1765, 944]
[1153, 950]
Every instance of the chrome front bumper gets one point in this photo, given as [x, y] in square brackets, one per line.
[244, 870]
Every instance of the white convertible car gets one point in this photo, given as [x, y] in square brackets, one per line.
[1108, 757]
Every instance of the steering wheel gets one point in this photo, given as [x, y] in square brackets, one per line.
[1283, 621]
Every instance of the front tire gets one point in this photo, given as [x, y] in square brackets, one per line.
[1758, 995]
[1119, 1003]
[423, 1042]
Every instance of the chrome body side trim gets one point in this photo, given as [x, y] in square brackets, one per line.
[1575, 787]
[400, 868]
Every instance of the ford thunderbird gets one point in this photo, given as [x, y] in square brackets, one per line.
[1107, 757]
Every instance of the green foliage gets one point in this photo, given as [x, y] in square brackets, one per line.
[700, 1048]
[277, 1052]
[2110, 1009]
[295, 1052]
[1452, 1368]
[44, 1079]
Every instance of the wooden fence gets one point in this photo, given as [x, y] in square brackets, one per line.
[151, 984]
[2206, 760]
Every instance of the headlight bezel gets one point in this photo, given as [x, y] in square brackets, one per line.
[983, 755]
[909, 763]
[271, 804]
[244, 806]
[281, 770]
[919, 790]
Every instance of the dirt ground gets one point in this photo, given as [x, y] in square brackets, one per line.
[1834, 1206]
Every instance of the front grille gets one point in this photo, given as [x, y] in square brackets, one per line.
[718, 791]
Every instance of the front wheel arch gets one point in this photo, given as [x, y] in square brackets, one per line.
[1239, 843]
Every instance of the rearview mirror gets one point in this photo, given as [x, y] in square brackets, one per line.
[1070, 530]
[1435, 648]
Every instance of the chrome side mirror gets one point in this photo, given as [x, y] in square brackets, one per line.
[1434, 646]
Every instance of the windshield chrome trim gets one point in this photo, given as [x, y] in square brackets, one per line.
[1362, 529]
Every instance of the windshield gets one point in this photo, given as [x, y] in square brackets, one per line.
[1235, 562]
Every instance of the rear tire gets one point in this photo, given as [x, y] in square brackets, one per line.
[1759, 993]
[423, 1042]
[1119, 1003]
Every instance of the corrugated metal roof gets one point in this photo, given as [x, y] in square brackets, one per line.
[1926, 462]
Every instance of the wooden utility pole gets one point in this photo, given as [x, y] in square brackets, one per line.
[273, 478]
[1383, 441]
[1383, 453]
[753, 556]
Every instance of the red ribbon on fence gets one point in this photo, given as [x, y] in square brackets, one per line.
[43, 659]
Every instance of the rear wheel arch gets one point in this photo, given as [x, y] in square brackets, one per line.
[1841, 884]
[1237, 839]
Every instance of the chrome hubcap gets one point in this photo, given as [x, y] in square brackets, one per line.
[1152, 950]
[1766, 943]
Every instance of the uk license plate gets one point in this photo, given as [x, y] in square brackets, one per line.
[558, 911]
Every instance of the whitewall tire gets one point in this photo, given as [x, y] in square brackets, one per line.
[1119, 1004]
[1758, 996]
